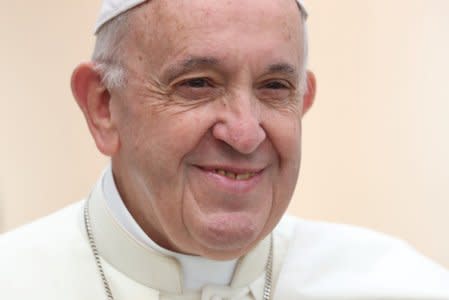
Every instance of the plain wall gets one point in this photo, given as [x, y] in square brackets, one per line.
[375, 144]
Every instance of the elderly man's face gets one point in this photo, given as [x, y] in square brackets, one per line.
[209, 121]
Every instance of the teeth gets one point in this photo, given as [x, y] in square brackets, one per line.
[242, 176]
[230, 175]
[221, 172]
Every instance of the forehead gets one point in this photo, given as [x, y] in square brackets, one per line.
[166, 26]
[180, 12]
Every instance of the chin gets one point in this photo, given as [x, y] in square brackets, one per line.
[226, 235]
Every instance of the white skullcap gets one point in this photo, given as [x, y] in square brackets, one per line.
[113, 8]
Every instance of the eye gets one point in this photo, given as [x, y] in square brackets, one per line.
[195, 83]
[276, 85]
[196, 88]
[275, 90]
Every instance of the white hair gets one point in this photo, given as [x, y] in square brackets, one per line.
[108, 52]
[305, 54]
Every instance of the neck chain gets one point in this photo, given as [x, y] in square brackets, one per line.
[107, 287]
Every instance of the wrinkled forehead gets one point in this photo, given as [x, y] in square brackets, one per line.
[111, 9]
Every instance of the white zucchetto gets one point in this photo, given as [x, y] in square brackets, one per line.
[113, 8]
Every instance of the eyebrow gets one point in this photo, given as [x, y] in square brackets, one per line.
[285, 68]
[190, 64]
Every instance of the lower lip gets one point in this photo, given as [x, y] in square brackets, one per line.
[232, 185]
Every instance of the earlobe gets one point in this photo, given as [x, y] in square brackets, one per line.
[309, 96]
[94, 100]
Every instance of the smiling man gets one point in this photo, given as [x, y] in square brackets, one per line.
[199, 105]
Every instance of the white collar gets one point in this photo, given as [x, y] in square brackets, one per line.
[197, 271]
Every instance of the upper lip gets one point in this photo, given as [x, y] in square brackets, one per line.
[232, 169]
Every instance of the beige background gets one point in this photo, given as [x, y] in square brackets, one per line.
[375, 145]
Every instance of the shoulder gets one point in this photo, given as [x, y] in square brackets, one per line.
[318, 233]
[40, 256]
[60, 226]
[317, 246]
[356, 262]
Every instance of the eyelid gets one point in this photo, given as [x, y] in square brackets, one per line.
[183, 90]
[197, 73]
[282, 81]
[186, 80]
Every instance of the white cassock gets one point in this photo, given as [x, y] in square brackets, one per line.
[51, 259]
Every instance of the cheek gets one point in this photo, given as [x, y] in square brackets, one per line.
[160, 141]
[285, 135]
[284, 131]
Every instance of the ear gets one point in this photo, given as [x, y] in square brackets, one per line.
[309, 96]
[94, 100]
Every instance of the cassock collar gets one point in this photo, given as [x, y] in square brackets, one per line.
[141, 263]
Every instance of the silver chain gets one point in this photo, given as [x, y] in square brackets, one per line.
[269, 273]
[107, 288]
[93, 246]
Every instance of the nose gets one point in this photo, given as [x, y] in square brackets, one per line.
[240, 126]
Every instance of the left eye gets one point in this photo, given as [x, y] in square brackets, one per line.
[275, 90]
[276, 85]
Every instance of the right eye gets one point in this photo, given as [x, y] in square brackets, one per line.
[195, 88]
[196, 83]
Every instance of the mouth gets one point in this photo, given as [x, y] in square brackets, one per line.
[231, 179]
[234, 173]
[246, 175]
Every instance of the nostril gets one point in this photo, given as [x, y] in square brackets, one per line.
[219, 131]
[242, 139]
[249, 142]
[243, 133]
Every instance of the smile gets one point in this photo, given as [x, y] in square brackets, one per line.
[235, 176]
